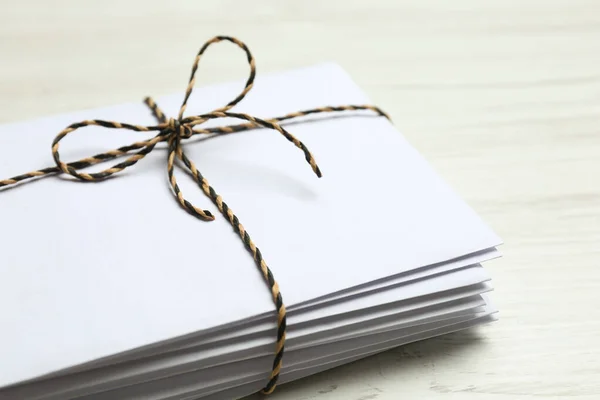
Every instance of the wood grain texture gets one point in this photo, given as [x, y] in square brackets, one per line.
[502, 97]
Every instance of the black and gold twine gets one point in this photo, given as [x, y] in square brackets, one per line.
[173, 131]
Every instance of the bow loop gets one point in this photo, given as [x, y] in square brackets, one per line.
[145, 148]
[192, 80]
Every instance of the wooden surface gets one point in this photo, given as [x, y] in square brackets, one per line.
[502, 97]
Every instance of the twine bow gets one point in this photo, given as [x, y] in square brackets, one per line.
[173, 131]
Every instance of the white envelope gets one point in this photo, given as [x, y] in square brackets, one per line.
[98, 269]
[265, 327]
[249, 388]
[190, 386]
[227, 376]
[413, 300]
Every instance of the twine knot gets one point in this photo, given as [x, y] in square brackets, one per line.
[182, 131]
[172, 130]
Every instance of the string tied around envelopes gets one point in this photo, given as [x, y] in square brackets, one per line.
[174, 131]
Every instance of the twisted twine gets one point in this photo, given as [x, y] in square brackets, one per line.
[173, 131]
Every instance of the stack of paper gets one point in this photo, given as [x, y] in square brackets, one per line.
[112, 291]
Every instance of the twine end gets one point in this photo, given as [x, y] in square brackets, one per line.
[208, 216]
[318, 172]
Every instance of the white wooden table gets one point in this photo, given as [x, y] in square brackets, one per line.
[502, 97]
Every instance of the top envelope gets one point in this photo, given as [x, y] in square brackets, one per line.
[94, 269]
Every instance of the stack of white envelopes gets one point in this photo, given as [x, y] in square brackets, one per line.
[111, 291]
